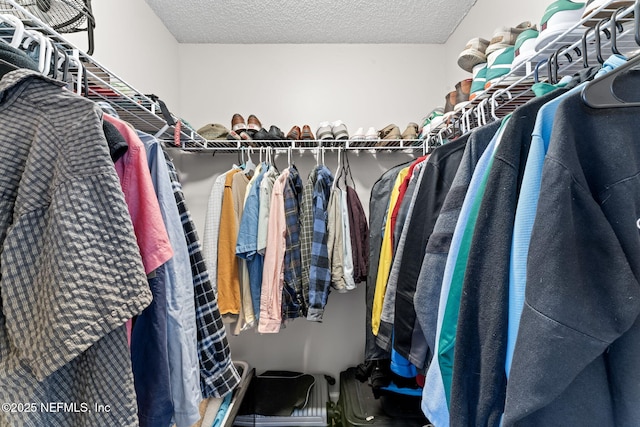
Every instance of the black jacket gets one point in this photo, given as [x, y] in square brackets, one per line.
[437, 178]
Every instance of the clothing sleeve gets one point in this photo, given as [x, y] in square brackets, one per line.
[139, 193]
[212, 229]
[70, 270]
[581, 295]
[334, 242]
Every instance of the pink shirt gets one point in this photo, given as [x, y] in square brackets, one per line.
[133, 171]
[273, 270]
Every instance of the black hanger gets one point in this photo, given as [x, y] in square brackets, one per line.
[616, 27]
[599, 93]
[598, 38]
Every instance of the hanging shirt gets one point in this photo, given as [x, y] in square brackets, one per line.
[266, 189]
[292, 298]
[71, 273]
[306, 233]
[386, 255]
[359, 236]
[346, 243]
[335, 247]
[218, 375]
[320, 269]
[273, 274]
[247, 243]
[228, 281]
[181, 325]
[141, 200]
[212, 229]
[396, 230]
[238, 189]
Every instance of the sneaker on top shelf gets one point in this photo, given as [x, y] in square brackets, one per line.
[525, 47]
[449, 101]
[372, 134]
[324, 131]
[473, 54]
[237, 123]
[479, 80]
[593, 5]
[339, 130]
[295, 133]
[358, 135]
[506, 36]
[498, 65]
[559, 16]
[411, 132]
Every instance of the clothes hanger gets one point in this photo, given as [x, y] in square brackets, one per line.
[18, 29]
[599, 93]
[616, 26]
[249, 166]
[598, 39]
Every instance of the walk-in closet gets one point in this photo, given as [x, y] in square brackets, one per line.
[412, 213]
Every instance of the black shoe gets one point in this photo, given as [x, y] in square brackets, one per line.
[261, 135]
[276, 134]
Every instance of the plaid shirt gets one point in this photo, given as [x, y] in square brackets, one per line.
[292, 298]
[70, 273]
[320, 270]
[218, 376]
[306, 235]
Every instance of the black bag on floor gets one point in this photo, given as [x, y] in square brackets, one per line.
[357, 406]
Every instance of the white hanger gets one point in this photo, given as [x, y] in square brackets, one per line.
[18, 29]
[249, 166]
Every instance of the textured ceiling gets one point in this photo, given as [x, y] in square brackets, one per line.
[311, 21]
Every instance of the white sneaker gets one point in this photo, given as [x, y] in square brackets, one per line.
[359, 134]
[372, 134]
[339, 130]
[324, 131]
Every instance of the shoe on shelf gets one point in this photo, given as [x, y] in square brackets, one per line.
[506, 36]
[593, 5]
[473, 54]
[390, 132]
[525, 47]
[463, 90]
[261, 135]
[559, 16]
[372, 134]
[411, 132]
[499, 64]
[479, 80]
[449, 101]
[254, 125]
[324, 131]
[307, 135]
[295, 133]
[237, 123]
[276, 134]
[339, 130]
[233, 136]
[358, 135]
[245, 136]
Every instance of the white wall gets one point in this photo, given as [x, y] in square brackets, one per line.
[132, 43]
[286, 85]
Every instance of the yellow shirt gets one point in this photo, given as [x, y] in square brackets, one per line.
[386, 256]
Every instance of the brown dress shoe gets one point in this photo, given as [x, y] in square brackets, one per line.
[254, 123]
[295, 133]
[237, 123]
[306, 133]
